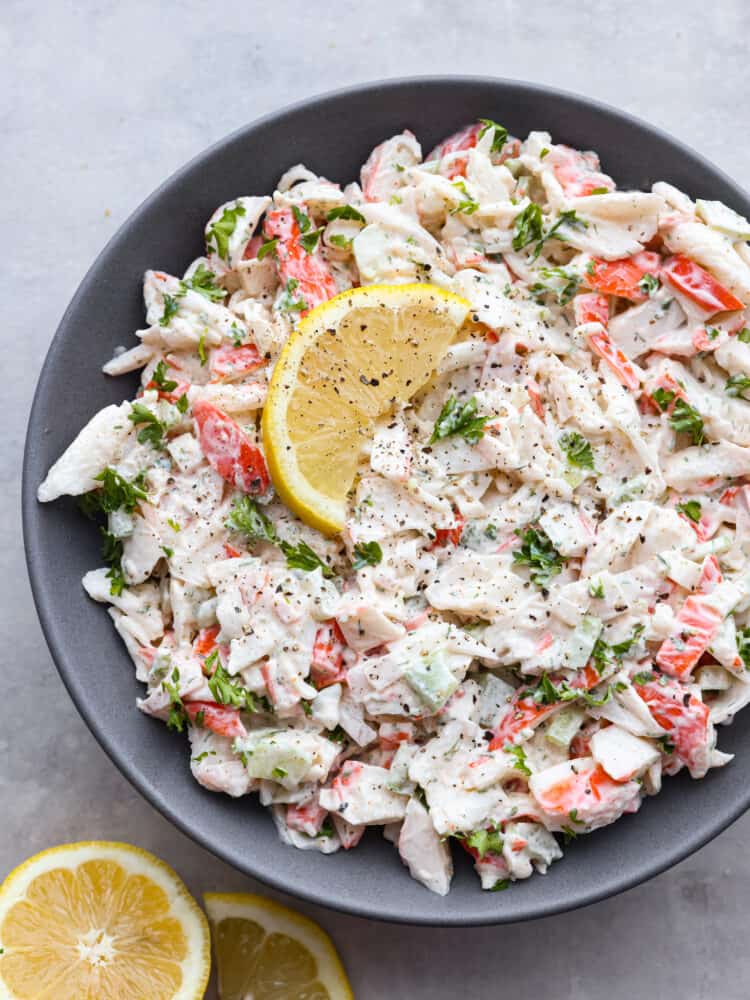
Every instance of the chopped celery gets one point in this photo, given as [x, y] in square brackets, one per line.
[565, 725]
[431, 678]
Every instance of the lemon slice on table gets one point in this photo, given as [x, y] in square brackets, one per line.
[349, 361]
[103, 920]
[265, 951]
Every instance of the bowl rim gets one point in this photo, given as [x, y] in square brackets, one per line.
[690, 842]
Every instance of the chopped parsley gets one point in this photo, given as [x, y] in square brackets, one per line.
[644, 677]
[177, 714]
[366, 554]
[247, 518]
[596, 590]
[152, 429]
[603, 653]
[538, 552]
[685, 419]
[599, 190]
[288, 302]
[568, 218]
[115, 493]
[459, 419]
[577, 450]
[663, 397]
[565, 286]
[302, 219]
[170, 309]
[501, 885]
[743, 645]
[309, 240]
[744, 335]
[468, 206]
[182, 404]
[499, 137]
[691, 509]
[225, 689]
[162, 383]
[279, 772]
[737, 385]
[301, 556]
[520, 763]
[268, 247]
[203, 281]
[219, 233]
[345, 212]
[649, 284]
[527, 227]
[548, 693]
[112, 555]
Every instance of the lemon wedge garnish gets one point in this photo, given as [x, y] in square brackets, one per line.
[349, 361]
[104, 920]
[263, 951]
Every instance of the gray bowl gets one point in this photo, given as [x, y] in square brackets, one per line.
[332, 135]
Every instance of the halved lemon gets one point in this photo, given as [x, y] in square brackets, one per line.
[265, 951]
[349, 361]
[104, 920]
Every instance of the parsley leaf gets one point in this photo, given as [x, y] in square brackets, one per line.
[685, 419]
[500, 136]
[170, 309]
[663, 397]
[649, 284]
[567, 283]
[279, 772]
[177, 714]
[596, 590]
[459, 419]
[468, 206]
[519, 755]
[345, 212]
[114, 493]
[247, 518]
[287, 300]
[301, 556]
[310, 240]
[225, 689]
[203, 281]
[743, 645]
[182, 404]
[112, 555]
[152, 430]
[568, 218]
[366, 554]
[527, 227]
[302, 219]
[218, 234]
[577, 450]
[744, 335]
[268, 247]
[691, 509]
[538, 552]
[162, 383]
[737, 385]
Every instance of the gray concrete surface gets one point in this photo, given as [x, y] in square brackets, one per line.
[99, 102]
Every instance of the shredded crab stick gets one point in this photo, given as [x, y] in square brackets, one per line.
[623, 278]
[536, 604]
[697, 624]
[699, 285]
[591, 307]
[578, 173]
[686, 719]
[304, 272]
[600, 343]
[228, 449]
[231, 362]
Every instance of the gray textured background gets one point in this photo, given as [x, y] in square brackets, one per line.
[101, 101]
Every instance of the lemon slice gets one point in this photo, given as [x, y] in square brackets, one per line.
[103, 920]
[265, 951]
[350, 360]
